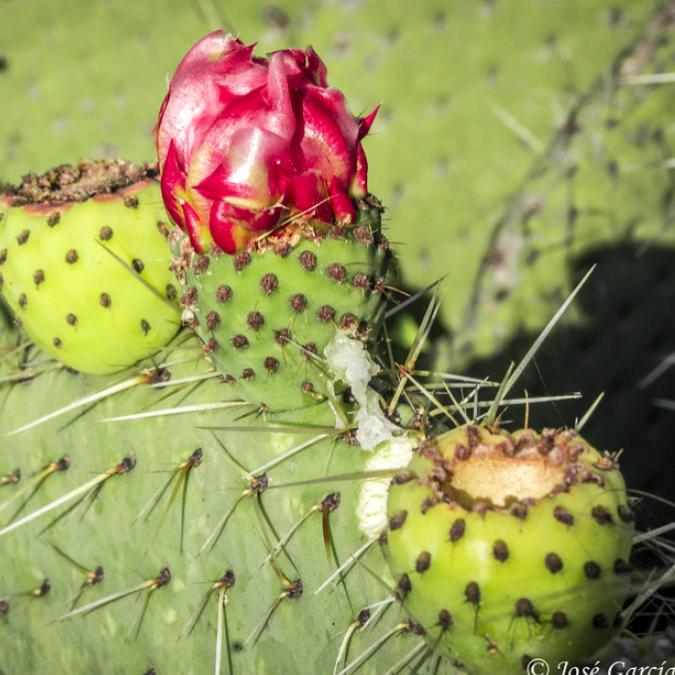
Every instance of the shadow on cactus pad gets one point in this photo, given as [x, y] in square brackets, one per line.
[626, 329]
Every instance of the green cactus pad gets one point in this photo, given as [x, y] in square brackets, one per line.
[509, 547]
[118, 529]
[85, 264]
[266, 315]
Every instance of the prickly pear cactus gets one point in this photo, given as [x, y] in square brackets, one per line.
[85, 264]
[511, 547]
[165, 521]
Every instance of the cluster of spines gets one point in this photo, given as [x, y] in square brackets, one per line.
[292, 588]
[94, 576]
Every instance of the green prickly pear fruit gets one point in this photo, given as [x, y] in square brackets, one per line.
[266, 314]
[510, 547]
[85, 264]
[262, 160]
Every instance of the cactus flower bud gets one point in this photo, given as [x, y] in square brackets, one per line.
[245, 142]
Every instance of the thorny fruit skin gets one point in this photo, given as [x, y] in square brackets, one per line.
[245, 141]
[90, 280]
[522, 538]
[266, 315]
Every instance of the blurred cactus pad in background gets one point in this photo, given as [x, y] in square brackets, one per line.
[520, 142]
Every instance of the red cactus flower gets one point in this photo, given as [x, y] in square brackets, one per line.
[244, 142]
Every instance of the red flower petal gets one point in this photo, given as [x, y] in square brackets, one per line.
[233, 227]
[281, 120]
[365, 123]
[343, 207]
[307, 197]
[325, 146]
[222, 228]
[200, 237]
[243, 141]
[172, 182]
[316, 68]
[359, 186]
[244, 164]
[218, 186]
[217, 70]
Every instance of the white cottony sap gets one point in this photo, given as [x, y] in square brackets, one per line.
[349, 361]
[372, 508]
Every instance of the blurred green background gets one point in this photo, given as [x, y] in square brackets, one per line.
[520, 142]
